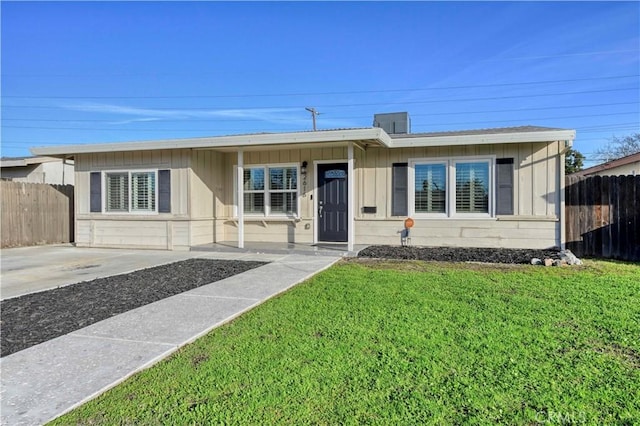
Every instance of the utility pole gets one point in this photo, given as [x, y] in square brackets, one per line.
[314, 113]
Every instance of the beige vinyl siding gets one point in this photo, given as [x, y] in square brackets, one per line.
[536, 198]
[460, 233]
[158, 231]
[535, 181]
[272, 229]
[277, 231]
[201, 231]
[536, 189]
[206, 195]
[82, 231]
[204, 185]
[133, 233]
[202, 195]
[150, 234]
[177, 160]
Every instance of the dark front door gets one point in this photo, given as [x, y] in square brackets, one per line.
[332, 202]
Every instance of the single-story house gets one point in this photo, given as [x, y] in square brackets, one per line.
[50, 170]
[480, 188]
[628, 165]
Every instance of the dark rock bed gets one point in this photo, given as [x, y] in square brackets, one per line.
[35, 318]
[458, 254]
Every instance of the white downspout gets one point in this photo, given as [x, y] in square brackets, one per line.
[564, 147]
[561, 217]
[240, 197]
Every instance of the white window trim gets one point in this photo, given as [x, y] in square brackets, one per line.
[450, 205]
[411, 193]
[130, 192]
[490, 160]
[267, 192]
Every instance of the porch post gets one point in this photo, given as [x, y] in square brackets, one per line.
[350, 198]
[240, 198]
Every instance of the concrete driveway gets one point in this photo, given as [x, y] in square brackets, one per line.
[46, 380]
[26, 270]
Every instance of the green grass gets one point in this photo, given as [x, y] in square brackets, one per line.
[408, 343]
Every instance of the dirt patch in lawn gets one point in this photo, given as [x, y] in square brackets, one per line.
[428, 266]
[627, 355]
[458, 254]
[35, 318]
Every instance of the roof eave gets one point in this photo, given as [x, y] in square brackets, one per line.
[27, 161]
[488, 138]
[374, 135]
[368, 135]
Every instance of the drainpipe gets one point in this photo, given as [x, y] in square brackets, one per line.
[566, 145]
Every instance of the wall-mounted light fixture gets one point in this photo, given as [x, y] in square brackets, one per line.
[303, 169]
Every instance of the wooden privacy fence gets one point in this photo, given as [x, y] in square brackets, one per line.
[35, 213]
[603, 216]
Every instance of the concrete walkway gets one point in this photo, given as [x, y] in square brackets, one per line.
[49, 379]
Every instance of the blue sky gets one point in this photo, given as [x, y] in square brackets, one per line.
[75, 72]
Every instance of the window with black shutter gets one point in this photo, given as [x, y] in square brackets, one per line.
[95, 192]
[399, 196]
[164, 191]
[504, 186]
[140, 191]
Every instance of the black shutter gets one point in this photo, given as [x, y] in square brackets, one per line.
[399, 183]
[95, 192]
[504, 186]
[164, 191]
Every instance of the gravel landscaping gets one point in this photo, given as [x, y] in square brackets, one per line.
[458, 254]
[35, 318]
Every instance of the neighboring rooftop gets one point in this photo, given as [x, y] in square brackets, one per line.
[25, 161]
[612, 165]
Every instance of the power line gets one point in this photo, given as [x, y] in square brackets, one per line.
[352, 92]
[590, 128]
[364, 104]
[206, 73]
[260, 120]
[189, 119]
[532, 119]
[519, 109]
[563, 55]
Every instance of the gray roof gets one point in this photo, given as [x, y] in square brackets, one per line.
[324, 138]
[495, 130]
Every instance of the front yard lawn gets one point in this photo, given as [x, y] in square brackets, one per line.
[408, 343]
